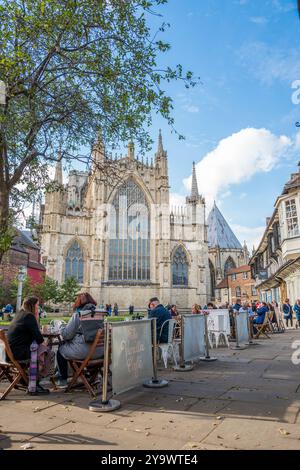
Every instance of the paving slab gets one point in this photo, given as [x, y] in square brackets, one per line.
[261, 411]
[90, 437]
[247, 434]
[20, 427]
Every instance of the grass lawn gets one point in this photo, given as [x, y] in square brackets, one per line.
[46, 321]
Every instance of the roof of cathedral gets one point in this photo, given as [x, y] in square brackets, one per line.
[219, 233]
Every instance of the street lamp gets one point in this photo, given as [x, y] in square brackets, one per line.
[21, 278]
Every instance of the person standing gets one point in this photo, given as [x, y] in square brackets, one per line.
[287, 312]
[296, 310]
[116, 310]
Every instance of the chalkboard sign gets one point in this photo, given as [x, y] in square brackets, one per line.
[132, 363]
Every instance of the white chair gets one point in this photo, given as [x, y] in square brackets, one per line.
[168, 347]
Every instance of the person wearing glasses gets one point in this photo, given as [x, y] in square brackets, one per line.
[158, 311]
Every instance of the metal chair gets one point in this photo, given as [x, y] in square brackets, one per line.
[169, 346]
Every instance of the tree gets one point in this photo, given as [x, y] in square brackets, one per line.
[70, 69]
[48, 290]
[69, 291]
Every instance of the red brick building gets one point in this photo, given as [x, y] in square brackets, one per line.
[23, 252]
[238, 284]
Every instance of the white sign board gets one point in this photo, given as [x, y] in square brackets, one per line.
[132, 362]
[194, 337]
[218, 320]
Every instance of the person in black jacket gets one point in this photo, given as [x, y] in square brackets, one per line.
[23, 330]
[158, 311]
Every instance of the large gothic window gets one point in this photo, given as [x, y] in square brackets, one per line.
[230, 264]
[74, 262]
[129, 244]
[180, 268]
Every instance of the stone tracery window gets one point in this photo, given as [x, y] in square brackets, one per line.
[230, 264]
[180, 267]
[74, 262]
[129, 246]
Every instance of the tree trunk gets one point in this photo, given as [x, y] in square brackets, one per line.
[5, 236]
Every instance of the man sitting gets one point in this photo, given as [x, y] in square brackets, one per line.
[261, 312]
[158, 311]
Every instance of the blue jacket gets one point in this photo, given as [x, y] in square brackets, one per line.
[261, 312]
[287, 310]
[296, 309]
[161, 314]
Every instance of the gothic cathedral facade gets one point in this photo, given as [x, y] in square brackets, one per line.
[122, 241]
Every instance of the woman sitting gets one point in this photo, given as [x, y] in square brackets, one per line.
[75, 346]
[196, 309]
[23, 331]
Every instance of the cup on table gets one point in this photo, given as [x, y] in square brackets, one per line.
[45, 329]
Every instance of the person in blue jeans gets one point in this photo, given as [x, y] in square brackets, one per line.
[296, 309]
[287, 312]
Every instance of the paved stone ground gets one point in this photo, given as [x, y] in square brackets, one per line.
[245, 400]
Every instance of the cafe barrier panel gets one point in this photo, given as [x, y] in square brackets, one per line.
[194, 343]
[133, 360]
[242, 334]
[194, 337]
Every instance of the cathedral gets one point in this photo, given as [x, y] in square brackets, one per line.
[122, 241]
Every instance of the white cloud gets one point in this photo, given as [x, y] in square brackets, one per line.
[191, 109]
[237, 159]
[270, 63]
[258, 19]
[252, 235]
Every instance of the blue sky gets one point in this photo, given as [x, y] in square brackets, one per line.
[240, 123]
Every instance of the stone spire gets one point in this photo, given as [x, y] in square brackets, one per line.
[58, 177]
[130, 154]
[194, 192]
[160, 148]
[194, 198]
[98, 153]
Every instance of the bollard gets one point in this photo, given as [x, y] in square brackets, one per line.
[207, 357]
[105, 404]
[237, 345]
[155, 382]
[182, 366]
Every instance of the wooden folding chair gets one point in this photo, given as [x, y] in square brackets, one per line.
[92, 366]
[263, 328]
[13, 370]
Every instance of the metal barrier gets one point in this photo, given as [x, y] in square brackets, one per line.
[194, 343]
[242, 333]
[133, 360]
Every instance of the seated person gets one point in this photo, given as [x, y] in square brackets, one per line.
[74, 346]
[196, 309]
[173, 311]
[23, 330]
[158, 311]
[261, 312]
